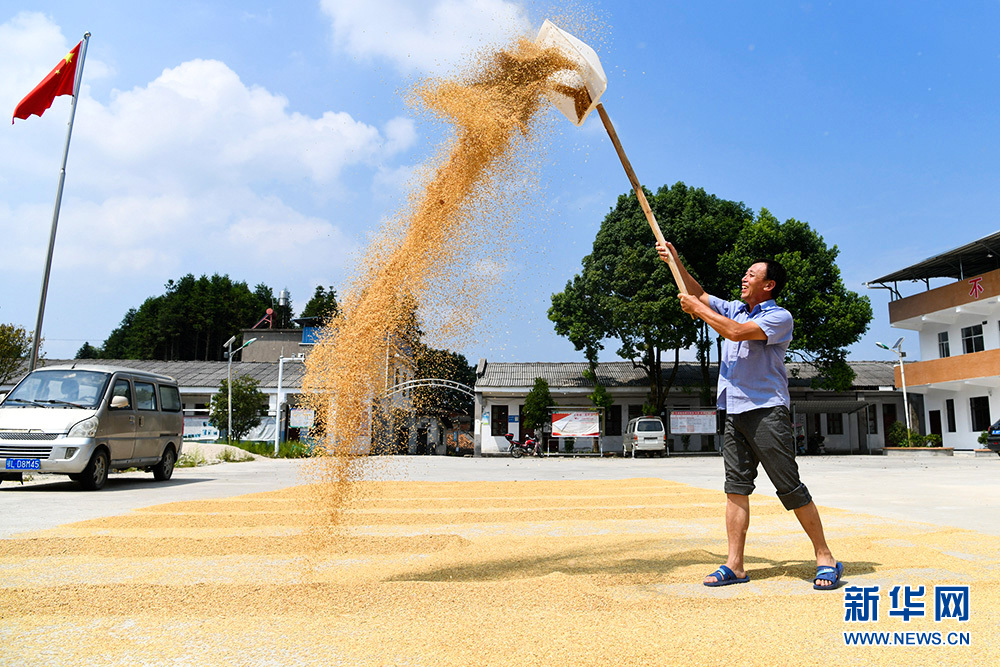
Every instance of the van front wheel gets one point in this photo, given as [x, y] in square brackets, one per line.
[95, 475]
[165, 468]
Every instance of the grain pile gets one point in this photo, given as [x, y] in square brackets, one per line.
[411, 267]
[476, 573]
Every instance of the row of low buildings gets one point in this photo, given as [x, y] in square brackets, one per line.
[951, 391]
[853, 421]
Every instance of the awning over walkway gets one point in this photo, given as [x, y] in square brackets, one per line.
[819, 407]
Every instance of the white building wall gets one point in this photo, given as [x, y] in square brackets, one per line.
[953, 321]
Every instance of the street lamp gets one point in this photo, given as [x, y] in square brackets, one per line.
[897, 347]
[229, 383]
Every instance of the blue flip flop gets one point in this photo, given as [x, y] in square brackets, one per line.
[724, 577]
[827, 573]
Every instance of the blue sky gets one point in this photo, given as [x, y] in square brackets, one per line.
[270, 140]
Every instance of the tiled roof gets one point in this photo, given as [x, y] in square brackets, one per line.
[869, 375]
[207, 374]
[498, 375]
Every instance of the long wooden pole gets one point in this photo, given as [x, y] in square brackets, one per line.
[640, 195]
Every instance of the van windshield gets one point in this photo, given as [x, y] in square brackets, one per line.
[59, 389]
[649, 426]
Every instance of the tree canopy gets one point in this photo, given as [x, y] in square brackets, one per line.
[828, 316]
[536, 405]
[249, 403]
[88, 351]
[190, 321]
[625, 293]
[15, 346]
[443, 365]
[322, 305]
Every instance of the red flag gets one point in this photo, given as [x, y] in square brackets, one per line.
[58, 82]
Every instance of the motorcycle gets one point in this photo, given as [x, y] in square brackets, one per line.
[517, 449]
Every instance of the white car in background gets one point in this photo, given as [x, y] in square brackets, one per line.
[645, 434]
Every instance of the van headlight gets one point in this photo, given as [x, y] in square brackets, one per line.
[85, 429]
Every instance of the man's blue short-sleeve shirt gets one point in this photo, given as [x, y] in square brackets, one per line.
[752, 374]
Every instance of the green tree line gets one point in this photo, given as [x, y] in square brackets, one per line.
[194, 317]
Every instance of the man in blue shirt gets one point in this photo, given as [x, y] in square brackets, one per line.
[753, 390]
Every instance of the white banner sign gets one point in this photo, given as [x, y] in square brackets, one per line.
[692, 421]
[301, 418]
[198, 428]
[577, 424]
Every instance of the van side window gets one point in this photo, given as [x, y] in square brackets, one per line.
[122, 389]
[170, 398]
[145, 396]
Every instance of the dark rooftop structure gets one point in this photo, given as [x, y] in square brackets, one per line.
[971, 259]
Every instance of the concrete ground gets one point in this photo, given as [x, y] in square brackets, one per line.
[959, 491]
[446, 561]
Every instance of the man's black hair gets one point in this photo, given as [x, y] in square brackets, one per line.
[775, 272]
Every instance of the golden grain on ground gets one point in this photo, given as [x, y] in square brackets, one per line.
[485, 573]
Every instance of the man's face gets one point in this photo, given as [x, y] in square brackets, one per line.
[755, 286]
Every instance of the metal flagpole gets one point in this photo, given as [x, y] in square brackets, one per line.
[36, 338]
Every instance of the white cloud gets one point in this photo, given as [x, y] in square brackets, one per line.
[194, 171]
[198, 124]
[423, 36]
[33, 45]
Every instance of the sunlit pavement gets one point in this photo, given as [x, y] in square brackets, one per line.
[451, 561]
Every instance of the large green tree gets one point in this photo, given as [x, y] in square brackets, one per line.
[190, 321]
[626, 294]
[249, 406]
[828, 316]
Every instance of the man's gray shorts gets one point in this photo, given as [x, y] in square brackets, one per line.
[763, 436]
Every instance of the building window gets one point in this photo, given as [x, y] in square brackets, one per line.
[972, 339]
[835, 423]
[613, 423]
[634, 411]
[498, 420]
[949, 411]
[980, 406]
[944, 350]
[934, 416]
[872, 420]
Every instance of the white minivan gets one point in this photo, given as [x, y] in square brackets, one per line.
[645, 434]
[84, 420]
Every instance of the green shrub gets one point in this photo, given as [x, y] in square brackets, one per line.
[897, 436]
[229, 456]
[290, 449]
[932, 440]
[191, 459]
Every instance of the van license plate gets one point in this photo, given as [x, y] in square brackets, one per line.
[23, 464]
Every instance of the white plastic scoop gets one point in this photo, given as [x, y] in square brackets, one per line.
[577, 92]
